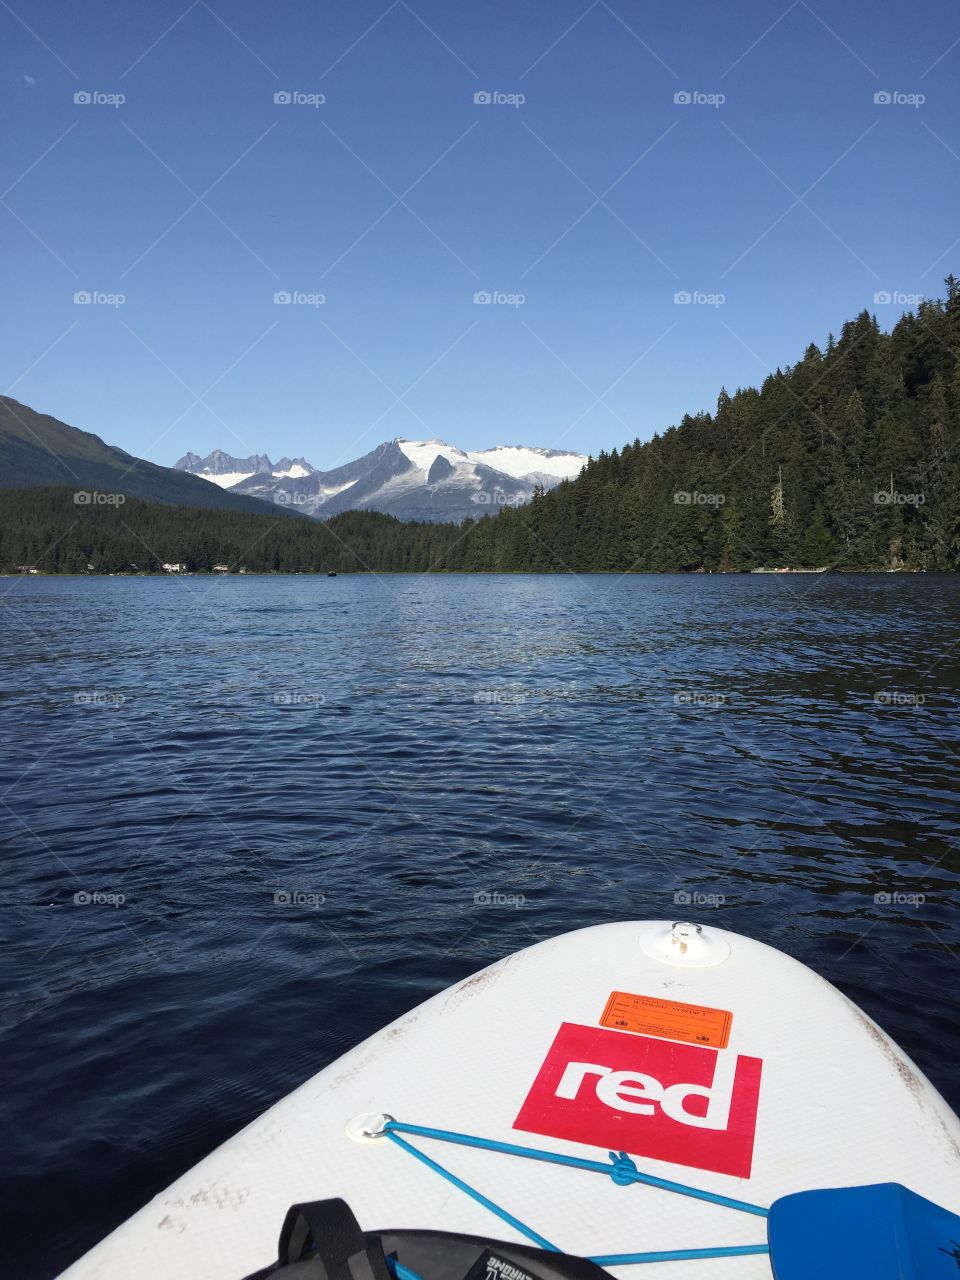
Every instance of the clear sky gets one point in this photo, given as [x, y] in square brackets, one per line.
[585, 188]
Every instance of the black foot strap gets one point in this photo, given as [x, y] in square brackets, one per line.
[326, 1237]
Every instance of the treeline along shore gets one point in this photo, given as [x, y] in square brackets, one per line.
[848, 460]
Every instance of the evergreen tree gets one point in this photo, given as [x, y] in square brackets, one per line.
[851, 457]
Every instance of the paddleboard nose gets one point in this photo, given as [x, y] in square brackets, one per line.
[688, 945]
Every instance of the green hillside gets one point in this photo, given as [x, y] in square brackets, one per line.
[849, 459]
[46, 529]
[36, 449]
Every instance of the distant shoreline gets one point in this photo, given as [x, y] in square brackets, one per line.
[506, 573]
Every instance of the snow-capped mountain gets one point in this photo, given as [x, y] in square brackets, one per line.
[227, 471]
[411, 479]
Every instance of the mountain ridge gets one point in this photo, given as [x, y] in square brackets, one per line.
[38, 449]
[848, 459]
[427, 480]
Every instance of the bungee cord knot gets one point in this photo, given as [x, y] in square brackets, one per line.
[624, 1169]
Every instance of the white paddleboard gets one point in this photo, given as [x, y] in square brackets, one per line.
[711, 1059]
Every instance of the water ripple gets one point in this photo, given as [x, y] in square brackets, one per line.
[247, 823]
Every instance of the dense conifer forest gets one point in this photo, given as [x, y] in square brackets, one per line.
[848, 459]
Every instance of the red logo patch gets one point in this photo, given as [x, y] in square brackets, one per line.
[670, 1101]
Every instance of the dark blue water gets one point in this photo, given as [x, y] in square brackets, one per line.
[245, 821]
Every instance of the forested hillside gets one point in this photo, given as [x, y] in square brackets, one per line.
[37, 449]
[47, 530]
[848, 459]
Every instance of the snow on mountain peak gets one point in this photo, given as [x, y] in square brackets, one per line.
[423, 453]
[413, 479]
[523, 460]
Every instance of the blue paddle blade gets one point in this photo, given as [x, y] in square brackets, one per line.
[885, 1232]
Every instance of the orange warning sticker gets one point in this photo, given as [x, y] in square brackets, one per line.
[668, 1019]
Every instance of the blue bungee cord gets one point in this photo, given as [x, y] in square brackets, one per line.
[622, 1170]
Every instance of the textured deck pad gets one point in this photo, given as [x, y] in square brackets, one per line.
[710, 1059]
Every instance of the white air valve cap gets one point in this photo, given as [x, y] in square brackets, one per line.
[687, 945]
[369, 1126]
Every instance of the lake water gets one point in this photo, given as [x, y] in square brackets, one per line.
[247, 821]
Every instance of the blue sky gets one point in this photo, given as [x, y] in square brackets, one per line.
[598, 197]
